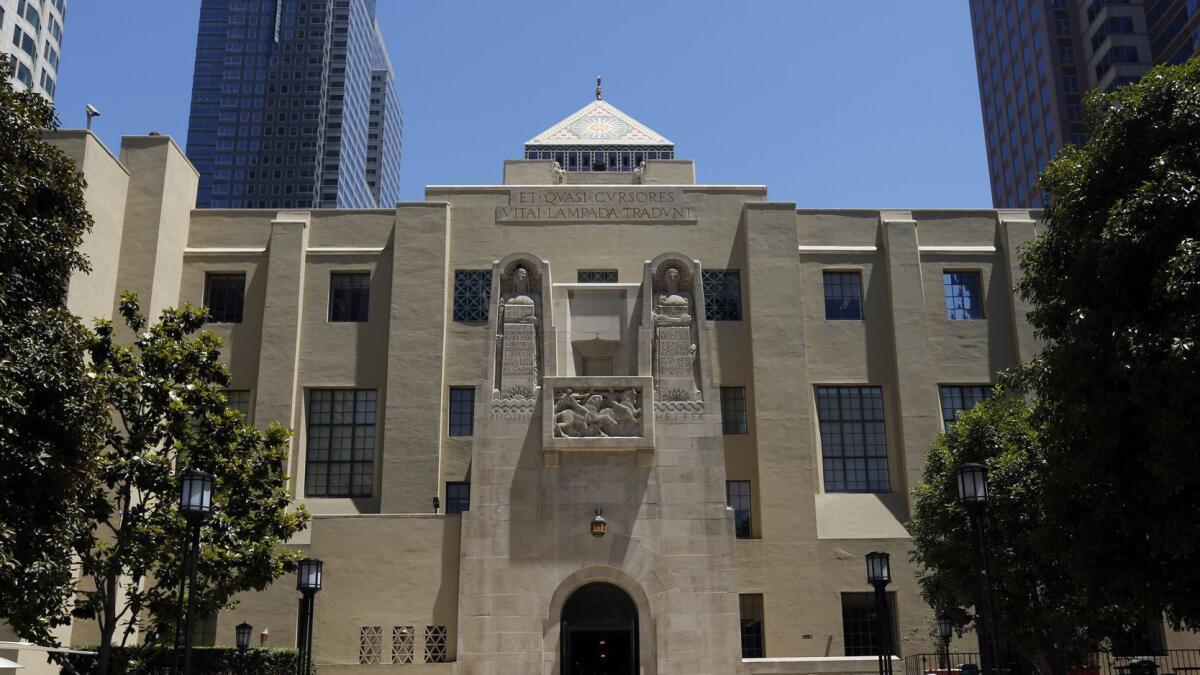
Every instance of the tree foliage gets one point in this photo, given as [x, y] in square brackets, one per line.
[51, 414]
[1041, 613]
[1114, 281]
[169, 410]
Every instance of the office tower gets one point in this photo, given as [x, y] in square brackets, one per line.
[1038, 58]
[31, 33]
[294, 106]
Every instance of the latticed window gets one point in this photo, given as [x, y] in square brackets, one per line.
[958, 398]
[224, 296]
[853, 441]
[860, 632]
[843, 296]
[239, 400]
[458, 497]
[751, 609]
[472, 293]
[597, 276]
[722, 295]
[349, 296]
[403, 640]
[737, 494]
[370, 644]
[964, 295]
[435, 644]
[733, 411]
[462, 411]
[341, 443]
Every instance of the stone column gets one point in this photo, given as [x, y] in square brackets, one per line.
[413, 426]
[914, 395]
[278, 391]
[1013, 229]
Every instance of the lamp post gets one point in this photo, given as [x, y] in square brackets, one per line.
[879, 575]
[242, 634]
[945, 630]
[195, 503]
[973, 496]
[309, 577]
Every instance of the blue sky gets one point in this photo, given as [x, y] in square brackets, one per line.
[833, 103]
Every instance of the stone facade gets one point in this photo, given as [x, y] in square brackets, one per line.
[587, 398]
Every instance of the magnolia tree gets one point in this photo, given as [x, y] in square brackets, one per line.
[169, 411]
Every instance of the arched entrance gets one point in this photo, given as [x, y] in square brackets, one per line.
[599, 632]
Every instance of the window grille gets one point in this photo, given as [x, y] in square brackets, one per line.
[843, 296]
[733, 411]
[751, 609]
[224, 296]
[860, 632]
[722, 295]
[737, 494]
[402, 644]
[458, 497]
[597, 276]
[239, 400]
[959, 398]
[462, 411]
[435, 644]
[349, 296]
[964, 295]
[472, 294]
[370, 644]
[340, 452]
[853, 439]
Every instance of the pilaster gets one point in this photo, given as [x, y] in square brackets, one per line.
[1013, 230]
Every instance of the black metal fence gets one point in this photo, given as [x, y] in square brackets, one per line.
[1169, 662]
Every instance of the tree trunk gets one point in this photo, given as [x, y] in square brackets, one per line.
[108, 625]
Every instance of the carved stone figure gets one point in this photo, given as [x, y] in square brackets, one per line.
[639, 172]
[675, 334]
[518, 344]
[558, 173]
[597, 413]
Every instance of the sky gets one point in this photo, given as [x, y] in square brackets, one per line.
[831, 104]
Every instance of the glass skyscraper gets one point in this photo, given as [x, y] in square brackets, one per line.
[1037, 58]
[294, 106]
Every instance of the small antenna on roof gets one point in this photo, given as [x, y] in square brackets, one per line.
[599, 93]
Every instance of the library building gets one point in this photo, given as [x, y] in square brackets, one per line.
[597, 418]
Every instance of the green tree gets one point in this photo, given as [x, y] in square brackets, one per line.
[51, 414]
[1114, 280]
[1042, 614]
[169, 410]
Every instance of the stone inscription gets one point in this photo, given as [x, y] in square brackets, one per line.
[596, 205]
[520, 349]
[675, 351]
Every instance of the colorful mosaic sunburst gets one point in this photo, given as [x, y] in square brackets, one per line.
[599, 127]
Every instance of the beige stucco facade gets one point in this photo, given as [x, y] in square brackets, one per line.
[650, 452]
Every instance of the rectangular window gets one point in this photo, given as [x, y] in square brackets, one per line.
[349, 296]
[860, 632]
[462, 411]
[751, 610]
[597, 276]
[722, 295]
[957, 398]
[341, 443]
[239, 400]
[964, 295]
[843, 296]
[224, 296]
[853, 439]
[458, 497]
[472, 293]
[733, 411]
[737, 495]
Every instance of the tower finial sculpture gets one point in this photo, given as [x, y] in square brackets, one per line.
[599, 92]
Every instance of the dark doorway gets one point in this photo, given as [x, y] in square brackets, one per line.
[599, 632]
